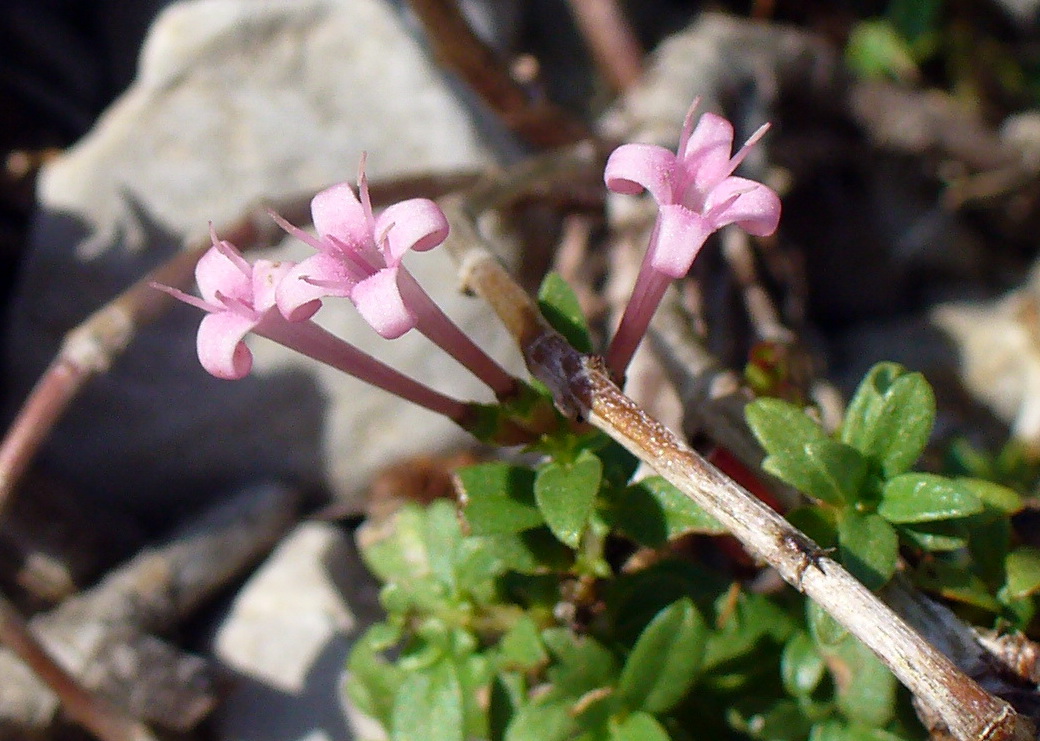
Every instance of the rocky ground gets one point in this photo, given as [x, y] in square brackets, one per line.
[908, 234]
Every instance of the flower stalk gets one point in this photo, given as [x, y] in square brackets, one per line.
[697, 194]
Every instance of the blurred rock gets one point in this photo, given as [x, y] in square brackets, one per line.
[998, 343]
[286, 638]
[236, 100]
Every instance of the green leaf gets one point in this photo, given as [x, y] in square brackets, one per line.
[989, 543]
[499, 498]
[665, 660]
[890, 417]
[781, 720]
[653, 512]
[372, 681]
[801, 665]
[508, 694]
[748, 629]
[936, 537]
[834, 730]
[443, 537]
[956, 582]
[826, 632]
[819, 523]
[782, 427]
[566, 495]
[394, 549]
[521, 647]
[429, 706]
[1023, 572]
[869, 547]
[998, 500]
[542, 721]
[581, 663]
[925, 497]
[560, 307]
[876, 49]
[638, 727]
[532, 551]
[866, 689]
[824, 469]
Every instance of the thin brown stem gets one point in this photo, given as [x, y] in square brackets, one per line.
[614, 46]
[582, 387]
[460, 50]
[96, 715]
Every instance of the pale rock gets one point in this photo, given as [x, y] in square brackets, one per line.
[237, 100]
[998, 344]
[286, 638]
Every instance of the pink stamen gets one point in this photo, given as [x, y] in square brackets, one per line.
[736, 159]
[362, 182]
[187, 298]
[238, 306]
[296, 231]
[687, 129]
[228, 250]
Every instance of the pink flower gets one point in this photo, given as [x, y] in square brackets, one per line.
[239, 298]
[697, 194]
[359, 257]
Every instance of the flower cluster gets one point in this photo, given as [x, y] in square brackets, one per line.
[359, 256]
[697, 194]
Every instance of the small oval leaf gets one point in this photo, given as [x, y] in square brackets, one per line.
[499, 498]
[869, 547]
[665, 660]
[638, 727]
[780, 426]
[925, 497]
[561, 309]
[566, 494]
[1023, 572]
[890, 417]
[801, 665]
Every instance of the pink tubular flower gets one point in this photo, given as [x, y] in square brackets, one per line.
[359, 257]
[697, 194]
[239, 298]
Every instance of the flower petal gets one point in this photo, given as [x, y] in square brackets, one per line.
[635, 167]
[678, 236]
[266, 277]
[338, 213]
[707, 153]
[378, 299]
[301, 289]
[756, 208]
[221, 349]
[416, 224]
[215, 272]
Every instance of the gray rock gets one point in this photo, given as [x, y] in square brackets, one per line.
[286, 638]
[998, 345]
[236, 100]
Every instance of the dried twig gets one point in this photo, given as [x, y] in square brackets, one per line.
[613, 43]
[453, 42]
[99, 717]
[582, 387]
[105, 635]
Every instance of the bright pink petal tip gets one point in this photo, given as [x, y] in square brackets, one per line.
[221, 349]
[338, 213]
[633, 168]
[417, 224]
[378, 299]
